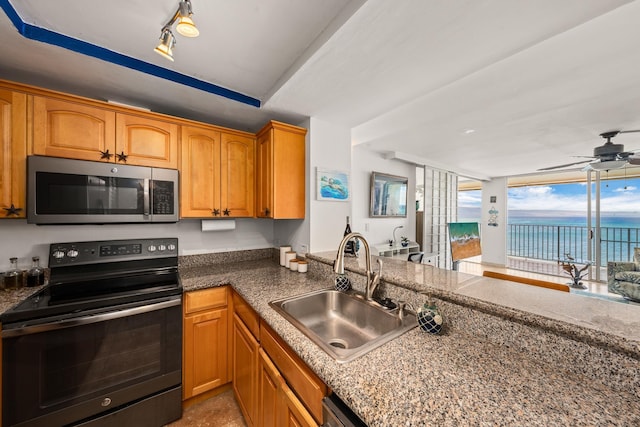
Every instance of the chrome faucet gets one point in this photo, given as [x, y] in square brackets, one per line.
[394, 234]
[373, 278]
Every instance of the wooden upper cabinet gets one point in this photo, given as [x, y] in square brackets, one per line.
[199, 172]
[217, 174]
[77, 131]
[237, 176]
[13, 154]
[146, 142]
[86, 132]
[281, 162]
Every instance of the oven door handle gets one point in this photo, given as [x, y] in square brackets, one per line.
[85, 320]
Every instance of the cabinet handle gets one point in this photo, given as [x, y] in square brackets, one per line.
[122, 157]
[226, 212]
[216, 212]
[266, 211]
[105, 155]
[12, 210]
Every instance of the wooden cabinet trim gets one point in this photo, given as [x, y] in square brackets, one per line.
[131, 110]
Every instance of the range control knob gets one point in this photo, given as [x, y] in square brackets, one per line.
[162, 248]
[151, 248]
[72, 253]
[172, 247]
[58, 254]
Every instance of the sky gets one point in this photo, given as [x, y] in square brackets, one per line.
[621, 195]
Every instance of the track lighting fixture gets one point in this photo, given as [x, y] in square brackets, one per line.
[185, 27]
[167, 42]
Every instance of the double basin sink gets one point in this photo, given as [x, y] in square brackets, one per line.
[344, 325]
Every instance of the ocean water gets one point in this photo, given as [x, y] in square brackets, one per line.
[550, 236]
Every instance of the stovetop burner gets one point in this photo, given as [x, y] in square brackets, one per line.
[94, 276]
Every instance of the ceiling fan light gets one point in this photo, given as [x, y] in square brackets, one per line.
[185, 25]
[607, 165]
[167, 42]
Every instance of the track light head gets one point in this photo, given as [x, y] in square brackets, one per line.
[186, 26]
[167, 42]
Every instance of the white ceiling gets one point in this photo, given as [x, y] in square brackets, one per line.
[537, 80]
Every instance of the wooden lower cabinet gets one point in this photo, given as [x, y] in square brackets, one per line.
[245, 370]
[205, 361]
[277, 404]
[269, 383]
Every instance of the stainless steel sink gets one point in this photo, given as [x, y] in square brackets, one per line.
[343, 324]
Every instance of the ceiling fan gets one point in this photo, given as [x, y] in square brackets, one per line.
[607, 156]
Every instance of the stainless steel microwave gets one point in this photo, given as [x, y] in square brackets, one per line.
[66, 191]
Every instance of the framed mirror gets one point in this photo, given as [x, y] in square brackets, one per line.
[388, 195]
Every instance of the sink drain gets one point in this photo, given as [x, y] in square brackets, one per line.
[338, 343]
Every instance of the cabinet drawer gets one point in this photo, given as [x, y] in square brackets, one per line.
[247, 314]
[309, 388]
[205, 299]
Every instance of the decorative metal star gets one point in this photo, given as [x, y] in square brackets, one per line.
[122, 157]
[227, 212]
[12, 210]
[216, 212]
[105, 155]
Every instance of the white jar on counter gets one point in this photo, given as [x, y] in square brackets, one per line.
[302, 266]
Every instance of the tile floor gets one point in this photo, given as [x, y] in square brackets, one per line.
[218, 411]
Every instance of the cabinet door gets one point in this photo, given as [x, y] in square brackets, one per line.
[200, 175]
[13, 154]
[293, 413]
[146, 142]
[205, 352]
[288, 172]
[281, 184]
[237, 178]
[75, 131]
[264, 186]
[269, 383]
[245, 367]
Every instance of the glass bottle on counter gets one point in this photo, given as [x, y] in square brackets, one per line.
[13, 276]
[350, 247]
[35, 276]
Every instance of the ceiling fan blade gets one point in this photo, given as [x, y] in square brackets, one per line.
[564, 166]
[634, 160]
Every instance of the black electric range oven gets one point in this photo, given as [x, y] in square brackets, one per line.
[101, 344]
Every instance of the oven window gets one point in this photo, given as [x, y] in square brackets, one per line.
[67, 373]
[68, 194]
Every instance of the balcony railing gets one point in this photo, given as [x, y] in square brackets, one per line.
[552, 242]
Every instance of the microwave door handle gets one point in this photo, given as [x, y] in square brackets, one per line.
[146, 197]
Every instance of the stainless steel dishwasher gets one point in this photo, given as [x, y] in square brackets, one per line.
[338, 414]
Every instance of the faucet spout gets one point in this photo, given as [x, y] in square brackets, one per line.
[373, 278]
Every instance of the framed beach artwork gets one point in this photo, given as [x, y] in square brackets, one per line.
[465, 240]
[332, 185]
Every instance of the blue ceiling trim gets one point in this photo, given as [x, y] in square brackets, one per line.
[47, 36]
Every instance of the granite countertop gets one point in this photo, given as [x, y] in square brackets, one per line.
[455, 379]
[619, 320]
[466, 376]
